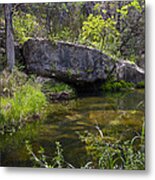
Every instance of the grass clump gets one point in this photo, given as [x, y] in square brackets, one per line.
[21, 100]
[115, 86]
[27, 102]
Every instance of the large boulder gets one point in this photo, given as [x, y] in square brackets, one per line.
[76, 64]
[66, 61]
[128, 71]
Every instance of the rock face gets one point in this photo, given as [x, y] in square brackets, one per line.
[66, 61]
[76, 64]
[127, 71]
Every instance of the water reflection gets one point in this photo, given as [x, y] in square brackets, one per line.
[120, 116]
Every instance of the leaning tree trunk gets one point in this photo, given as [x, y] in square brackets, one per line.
[10, 52]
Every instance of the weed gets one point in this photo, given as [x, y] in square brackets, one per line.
[118, 155]
[41, 160]
[116, 86]
[103, 154]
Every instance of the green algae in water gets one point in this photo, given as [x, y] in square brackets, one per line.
[120, 117]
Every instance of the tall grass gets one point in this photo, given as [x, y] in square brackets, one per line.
[19, 103]
[28, 100]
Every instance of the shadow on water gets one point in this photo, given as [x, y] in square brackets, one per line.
[119, 115]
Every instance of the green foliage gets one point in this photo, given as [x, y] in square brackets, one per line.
[50, 87]
[69, 73]
[118, 155]
[56, 87]
[131, 16]
[101, 34]
[65, 34]
[58, 159]
[21, 99]
[26, 101]
[107, 26]
[111, 86]
[40, 160]
[136, 5]
[25, 26]
[104, 155]
[140, 85]
[59, 87]
[125, 9]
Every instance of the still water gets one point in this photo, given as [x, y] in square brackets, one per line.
[119, 115]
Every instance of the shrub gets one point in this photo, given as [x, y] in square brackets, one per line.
[65, 34]
[25, 26]
[140, 85]
[101, 34]
[111, 86]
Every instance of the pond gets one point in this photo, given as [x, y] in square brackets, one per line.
[118, 115]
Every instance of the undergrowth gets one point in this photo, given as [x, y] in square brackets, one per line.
[53, 90]
[119, 155]
[115, 86]
[41, 160]
[21, 100]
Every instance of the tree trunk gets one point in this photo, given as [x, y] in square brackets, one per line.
[48, 21]
[10, 51]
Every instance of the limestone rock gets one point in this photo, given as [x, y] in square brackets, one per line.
[76, 64]
[130, 72]
[65, 61]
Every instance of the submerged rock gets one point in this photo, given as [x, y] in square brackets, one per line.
[76, 64]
